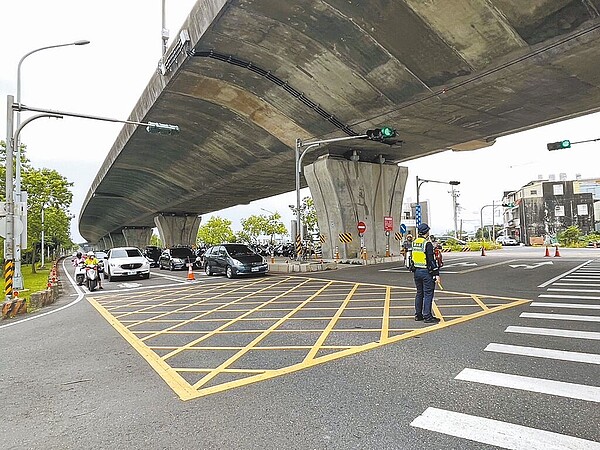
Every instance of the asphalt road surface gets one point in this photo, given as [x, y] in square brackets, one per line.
[328, 360]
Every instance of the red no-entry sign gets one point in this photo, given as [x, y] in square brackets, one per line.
[361, 227]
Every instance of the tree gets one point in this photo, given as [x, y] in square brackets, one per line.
[261, 225]
[570, 236]
[155, 240]
[216, 231]
[308, 213]
[48, 190]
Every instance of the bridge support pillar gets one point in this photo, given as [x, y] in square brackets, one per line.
[116, 239]
[104, 243]
[137, 236]
[346, 192]
[178, 229]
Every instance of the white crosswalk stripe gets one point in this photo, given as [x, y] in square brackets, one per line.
[576, 285]
[498, 433]
[535, 352]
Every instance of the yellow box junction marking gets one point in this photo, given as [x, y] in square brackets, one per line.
[204, 339]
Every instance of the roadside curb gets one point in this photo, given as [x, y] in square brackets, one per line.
[17, 306]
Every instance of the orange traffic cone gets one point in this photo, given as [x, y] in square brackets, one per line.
[190, 276]
[547, 252]
[482, 250]
[557, 253]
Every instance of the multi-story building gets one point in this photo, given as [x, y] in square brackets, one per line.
[544, 208]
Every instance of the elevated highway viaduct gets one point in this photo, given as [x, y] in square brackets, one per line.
[245, 78]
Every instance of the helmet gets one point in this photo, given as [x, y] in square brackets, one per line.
[423, 228]
[91, 253]
[79, 254]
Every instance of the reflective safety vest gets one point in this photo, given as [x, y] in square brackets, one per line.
[418, 253]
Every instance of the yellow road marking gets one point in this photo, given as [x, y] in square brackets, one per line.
[387, 297]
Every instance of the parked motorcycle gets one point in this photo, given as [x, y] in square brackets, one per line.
[91, 277]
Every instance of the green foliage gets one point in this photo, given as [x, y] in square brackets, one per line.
[308, 214]
[155, 240]
[46, 189]
[261, 225]
[216, 231]
[570, 236]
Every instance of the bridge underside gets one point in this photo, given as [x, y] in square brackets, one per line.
[257, 75]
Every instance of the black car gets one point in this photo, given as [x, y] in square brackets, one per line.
[153, 253]
[178, 258]
[234, 260]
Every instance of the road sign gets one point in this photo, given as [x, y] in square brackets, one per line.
[418, 214]
[361, 227]
[388, 223]
[402, 228]
[18, 226]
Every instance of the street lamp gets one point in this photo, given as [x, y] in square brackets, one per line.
[420, 181]
[18, 277]
[378, 134]
[11, 138]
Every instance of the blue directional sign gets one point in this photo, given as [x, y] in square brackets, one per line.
[402, 228]
[418, 214]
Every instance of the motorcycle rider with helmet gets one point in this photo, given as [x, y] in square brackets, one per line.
[91, 260]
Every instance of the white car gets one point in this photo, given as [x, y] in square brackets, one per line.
[126, 262]
[506, 240]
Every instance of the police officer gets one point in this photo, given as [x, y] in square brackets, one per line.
[426, 272]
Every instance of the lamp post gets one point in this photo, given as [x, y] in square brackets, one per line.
[301, 149]
[11, 138]
[493, 205]
[18, 277]
[420, 181]
[42, 246]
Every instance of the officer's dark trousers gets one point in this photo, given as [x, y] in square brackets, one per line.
[425, 287]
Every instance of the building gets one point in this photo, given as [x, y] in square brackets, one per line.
[547, 207]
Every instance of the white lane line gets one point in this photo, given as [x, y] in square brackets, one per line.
[575, 334]
[558, 277]
[577, 284]
[80, 296]
[539, 385]
[573, 317]
[498, 433]
[580, 297]
[536, 352]
[565, 305]
[594, 291]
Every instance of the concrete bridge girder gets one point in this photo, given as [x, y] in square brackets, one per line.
[178, 229]
[346, 192]
[137, 236]
[116, 239]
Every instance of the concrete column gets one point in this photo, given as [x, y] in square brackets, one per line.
[104, 243]
[178, 229]
[137, 236]
[117, 239]
[346, 192]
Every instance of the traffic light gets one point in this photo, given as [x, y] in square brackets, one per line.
[379, 134]
[559, 145]
[508, 205]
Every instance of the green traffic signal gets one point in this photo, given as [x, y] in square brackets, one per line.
[379, 134]
[388, 132]
[559, 145]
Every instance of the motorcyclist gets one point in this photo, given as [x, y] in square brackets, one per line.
[91, 260]
[78, 259]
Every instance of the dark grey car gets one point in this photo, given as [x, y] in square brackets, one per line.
[234, 260]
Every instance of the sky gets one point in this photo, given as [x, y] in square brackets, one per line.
[106, 78]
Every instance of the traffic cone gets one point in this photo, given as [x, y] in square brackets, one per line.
[190, 275]
[557, 253]
[547, 252]
[482, 250]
